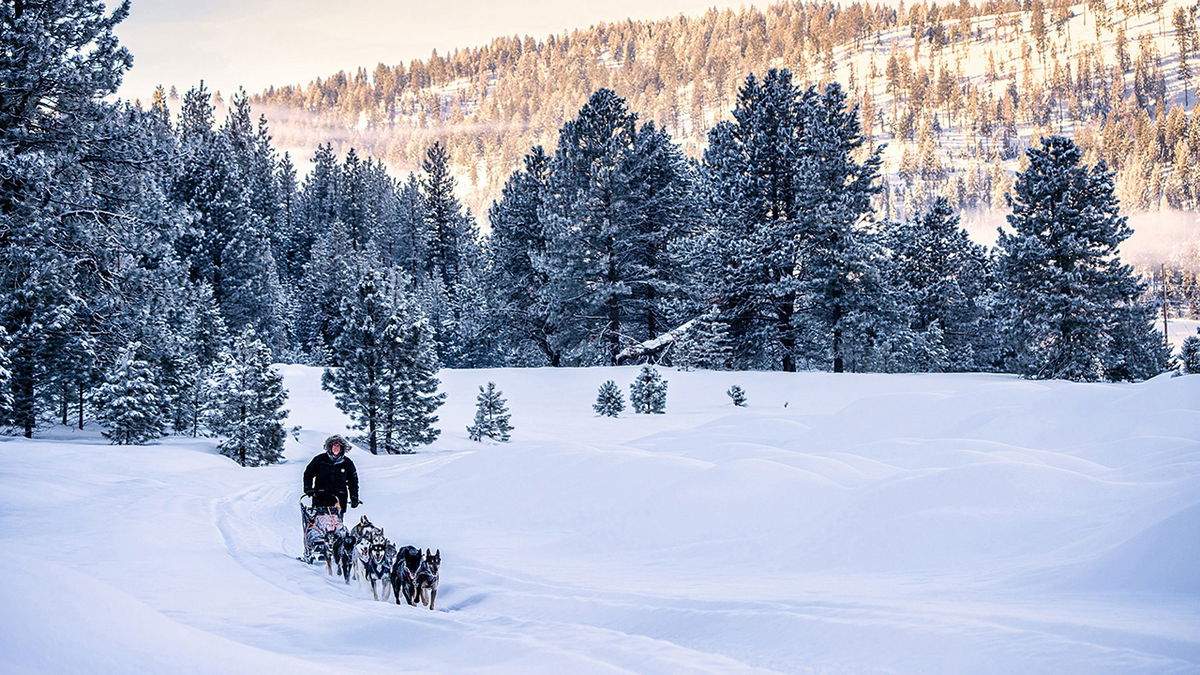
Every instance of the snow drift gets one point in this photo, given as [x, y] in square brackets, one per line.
[840, 523]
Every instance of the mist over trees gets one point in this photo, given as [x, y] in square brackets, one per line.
[155, 264]
[956, 90]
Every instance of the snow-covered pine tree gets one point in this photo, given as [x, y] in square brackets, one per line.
[845, 310]
[320, 295]
[449, 232]
[491, 416]
[609, 400]
[617, 200]
[786, 197]
[737, 395]
[648, 393]
[204, 340]
[945, 279]
[1074, 310]
[517, 278]
[1189, 355]
[386, 381]
[247, 403]
[67, 178]
[705, 345]
[130, 403]
[453, 259]
[411, 395]
[402, 238]
[358, 382]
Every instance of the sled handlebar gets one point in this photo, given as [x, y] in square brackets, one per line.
[337, 502]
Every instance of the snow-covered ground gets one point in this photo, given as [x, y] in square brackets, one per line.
[841, 523]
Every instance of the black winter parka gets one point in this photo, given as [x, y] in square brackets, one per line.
[335, 478]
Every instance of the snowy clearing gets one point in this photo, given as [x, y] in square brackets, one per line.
[840, 523]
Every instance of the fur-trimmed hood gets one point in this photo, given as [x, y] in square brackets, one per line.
[340, 441]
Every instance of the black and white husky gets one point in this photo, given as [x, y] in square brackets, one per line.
[377, 567]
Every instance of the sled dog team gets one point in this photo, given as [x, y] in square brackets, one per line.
[364, 552]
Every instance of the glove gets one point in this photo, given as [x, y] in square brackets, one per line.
[354, 503]
[308, 492]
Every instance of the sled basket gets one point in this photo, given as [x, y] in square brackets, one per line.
[318, 521]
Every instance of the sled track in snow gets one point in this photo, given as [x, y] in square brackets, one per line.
[260, 529]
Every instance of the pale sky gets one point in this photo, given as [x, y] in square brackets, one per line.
[256, 43]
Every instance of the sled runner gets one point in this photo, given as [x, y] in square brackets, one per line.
[319, 523]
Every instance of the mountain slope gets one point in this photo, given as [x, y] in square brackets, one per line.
[956, 91]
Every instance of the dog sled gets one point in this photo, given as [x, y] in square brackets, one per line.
[320, 522]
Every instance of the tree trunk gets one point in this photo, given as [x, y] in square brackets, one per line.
[613, 332]
[242, 445]
[839, 364]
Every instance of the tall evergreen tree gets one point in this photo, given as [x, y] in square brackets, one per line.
[797, 270]
[386, 379]
[358, 383]
[518, 278]
[248, 398]
[449, 233]
[620, 198]
[413, 396]
[1073, 308]
[946, 279]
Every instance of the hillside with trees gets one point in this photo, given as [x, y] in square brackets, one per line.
[956, 91]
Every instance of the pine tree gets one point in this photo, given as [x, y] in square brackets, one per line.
[1074, 311]
[945, 279]
[1189, 355]
[648, 393]
[385, 381]
[130, 401]
[247, 407]
[795, 271]
[518, 278]
[609, 401]
[618, 199]
[359, 381]
[449, 233]
[412, 393]
[491, 416]
[204, 341]
[737, 395]
[704, 345]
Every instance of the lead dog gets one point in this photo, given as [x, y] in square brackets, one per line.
[426, 581]
[404, 572]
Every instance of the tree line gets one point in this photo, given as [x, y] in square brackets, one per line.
[152, 257]
[1092, 70]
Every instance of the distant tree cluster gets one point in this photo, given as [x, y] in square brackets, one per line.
[1095, 71]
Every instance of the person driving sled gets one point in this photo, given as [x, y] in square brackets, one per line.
[330, 478]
